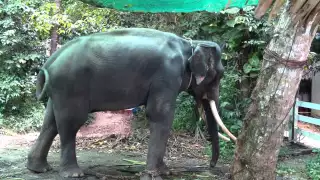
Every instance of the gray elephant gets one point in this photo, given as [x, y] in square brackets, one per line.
[121, 69]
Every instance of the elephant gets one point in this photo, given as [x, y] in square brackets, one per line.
[120, 69]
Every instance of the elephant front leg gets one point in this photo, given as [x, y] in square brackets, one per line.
[160, 114]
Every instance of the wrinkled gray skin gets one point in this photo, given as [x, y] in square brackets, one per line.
[123, 69]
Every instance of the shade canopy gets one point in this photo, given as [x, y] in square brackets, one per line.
[157, 6]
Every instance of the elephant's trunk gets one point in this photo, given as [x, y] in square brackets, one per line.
[213, 132]
[213, 120]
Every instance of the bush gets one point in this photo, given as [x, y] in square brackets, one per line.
[21, 53]
[29, 119]
[232, 106]
[185, 117]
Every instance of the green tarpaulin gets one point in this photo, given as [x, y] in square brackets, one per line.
[170, 5]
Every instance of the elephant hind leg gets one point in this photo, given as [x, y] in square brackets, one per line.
[71, 114]
[37, 157]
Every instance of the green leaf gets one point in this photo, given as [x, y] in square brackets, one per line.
[247, 68]
[240, 19]
[9, 61]
[22, 61]
[224, 104]
[248, 8]
[254, 61]
[231, 23]
[232, 10]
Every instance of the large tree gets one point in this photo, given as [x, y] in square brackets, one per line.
[260, 139]
[54, 31]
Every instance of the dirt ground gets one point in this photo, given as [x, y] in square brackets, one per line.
[310, 127]
[117, 155]
[110, 151]
[101, 159]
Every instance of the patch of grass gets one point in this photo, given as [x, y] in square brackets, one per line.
[285, 150]
[294, 167]
[283, 170]
[30, 119]
[313, 166]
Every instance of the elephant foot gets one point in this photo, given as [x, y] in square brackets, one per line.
[213, 163]
[164, 170]
[71, 172]
[38, 166]
[150, 175]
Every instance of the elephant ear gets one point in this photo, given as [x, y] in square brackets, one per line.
[198, 63]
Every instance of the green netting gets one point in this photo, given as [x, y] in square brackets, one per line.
[170, 5]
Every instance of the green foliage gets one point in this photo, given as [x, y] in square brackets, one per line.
[74, 19]
[20, 55]
[283, 170]
[185, 117]
[313, 166]
[30, 118]
[230, 106]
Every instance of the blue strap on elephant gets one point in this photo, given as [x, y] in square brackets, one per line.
[136, 110]
[170, 5]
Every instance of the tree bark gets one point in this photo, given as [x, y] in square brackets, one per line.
[54, 32]
[259, 142]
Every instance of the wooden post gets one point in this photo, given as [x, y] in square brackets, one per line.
[295, 121]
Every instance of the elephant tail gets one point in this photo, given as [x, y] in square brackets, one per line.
[42, 83]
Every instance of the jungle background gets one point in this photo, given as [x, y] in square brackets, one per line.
[27, 28]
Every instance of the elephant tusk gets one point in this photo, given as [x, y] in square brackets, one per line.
[223, 137]
[219, 121]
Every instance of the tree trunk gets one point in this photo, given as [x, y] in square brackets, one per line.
[54, 32]
[259, 142]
